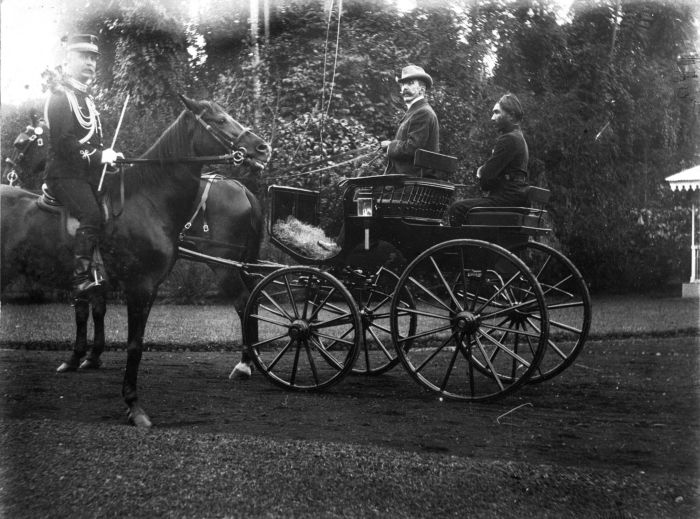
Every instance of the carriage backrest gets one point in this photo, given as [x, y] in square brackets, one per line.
[434, 165]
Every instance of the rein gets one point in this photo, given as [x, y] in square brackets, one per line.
[375, 152]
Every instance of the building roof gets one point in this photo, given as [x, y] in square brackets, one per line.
[687, 179]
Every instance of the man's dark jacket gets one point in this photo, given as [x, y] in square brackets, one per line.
[507, 165]
[74, 150]
[418, 128]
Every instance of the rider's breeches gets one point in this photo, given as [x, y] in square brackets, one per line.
[80, 198]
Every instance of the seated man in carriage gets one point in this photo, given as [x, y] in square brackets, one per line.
[504, 174]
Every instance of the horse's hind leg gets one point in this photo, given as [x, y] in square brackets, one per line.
[99, 309]
[82, 314]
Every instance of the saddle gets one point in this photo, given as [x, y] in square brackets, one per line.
[68, 226]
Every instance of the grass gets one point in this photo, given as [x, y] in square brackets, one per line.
[218, 325]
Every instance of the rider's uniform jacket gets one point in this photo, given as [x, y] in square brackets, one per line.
[418, 128]
[75, 133]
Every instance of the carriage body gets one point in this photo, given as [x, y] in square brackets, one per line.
[466, 310]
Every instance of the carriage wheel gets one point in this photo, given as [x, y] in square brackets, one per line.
[308, 328]
[474, 302]
[377, 354]
[568, 305]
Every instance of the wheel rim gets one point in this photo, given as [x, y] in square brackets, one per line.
[373, 296]
[308, 328]
[473, 339]
[568, 305]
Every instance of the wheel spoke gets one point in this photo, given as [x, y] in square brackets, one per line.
[490, 365]
[432, 296]
[502, 347]
[280, 355]
[281, 310]
[318, 344]
[291, 297]
[268, 320]
[432, 355]
[380, 344]
[423, 334]
[312, 364]
[445, 284]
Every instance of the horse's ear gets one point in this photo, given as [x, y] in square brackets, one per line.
[190, 104]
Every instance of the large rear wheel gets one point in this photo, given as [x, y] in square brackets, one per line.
[474, 304]
[308, 328]
[568, 305]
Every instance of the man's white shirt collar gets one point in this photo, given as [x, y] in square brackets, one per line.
[408, 107]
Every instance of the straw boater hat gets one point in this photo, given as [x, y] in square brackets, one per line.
[415, 72]
[83, 43]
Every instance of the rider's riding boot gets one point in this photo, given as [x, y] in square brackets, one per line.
[85, 243]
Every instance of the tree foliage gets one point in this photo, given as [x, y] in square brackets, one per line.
[605, 121]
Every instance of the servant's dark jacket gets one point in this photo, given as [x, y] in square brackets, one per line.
[508, 162]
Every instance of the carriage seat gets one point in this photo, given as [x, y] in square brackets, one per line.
[530, 216]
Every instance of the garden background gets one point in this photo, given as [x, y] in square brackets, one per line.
[609, 90]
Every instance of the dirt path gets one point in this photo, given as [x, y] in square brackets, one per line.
[627, 406]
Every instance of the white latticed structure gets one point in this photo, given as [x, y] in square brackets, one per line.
[689, 180]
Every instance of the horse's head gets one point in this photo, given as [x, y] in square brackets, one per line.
[28, 157]
[222, 133]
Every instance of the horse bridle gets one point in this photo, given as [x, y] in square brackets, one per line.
[238, 152]
[37, 138]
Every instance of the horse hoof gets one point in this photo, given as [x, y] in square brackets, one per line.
[138, 418]
[90, 364]
[240, 372]
[67, 367]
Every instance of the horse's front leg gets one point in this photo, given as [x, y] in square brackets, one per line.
[138, 307]
[99, 309]
[82, 314]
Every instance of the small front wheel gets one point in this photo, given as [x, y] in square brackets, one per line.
[302, 328]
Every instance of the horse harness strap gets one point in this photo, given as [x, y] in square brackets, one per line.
[201, 201]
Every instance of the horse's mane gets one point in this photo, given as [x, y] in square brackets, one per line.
[175, 142]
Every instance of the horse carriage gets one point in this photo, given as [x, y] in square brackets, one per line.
[471, 312]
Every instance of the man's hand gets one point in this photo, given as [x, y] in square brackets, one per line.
[109, 156]
[384, 144]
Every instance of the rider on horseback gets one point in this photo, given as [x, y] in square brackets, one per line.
[76, 153]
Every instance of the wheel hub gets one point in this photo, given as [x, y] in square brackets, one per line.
[465, 321]
[299, 329]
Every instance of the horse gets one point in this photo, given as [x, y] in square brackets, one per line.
[227, 222]
[141, 244]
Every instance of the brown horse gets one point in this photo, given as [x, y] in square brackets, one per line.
[141, 244]
[226, 222]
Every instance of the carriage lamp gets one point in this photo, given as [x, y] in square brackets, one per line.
[364, 207]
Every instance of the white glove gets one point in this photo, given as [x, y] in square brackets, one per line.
[109, 156]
